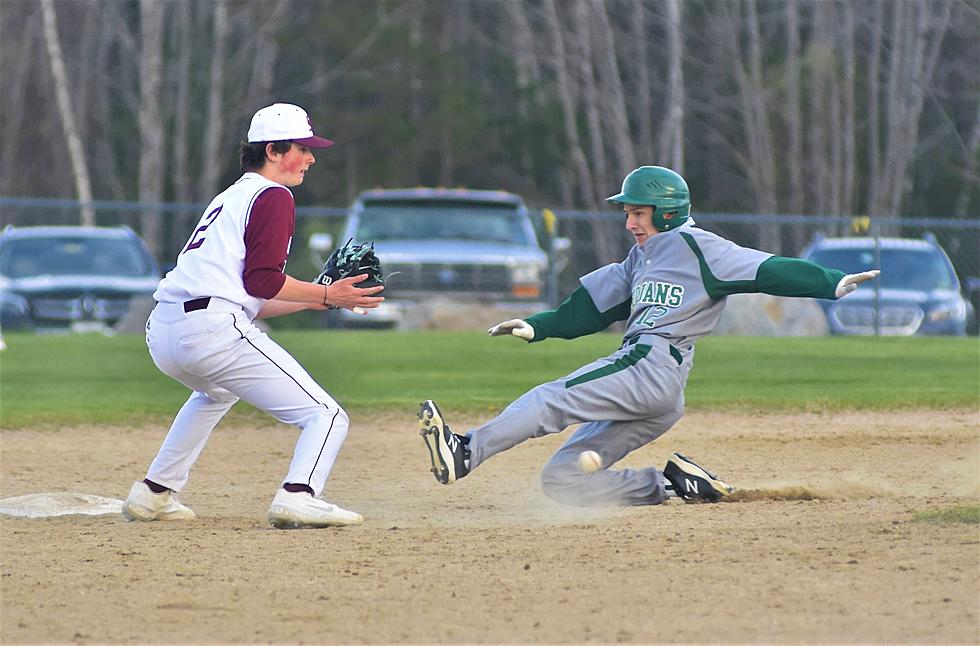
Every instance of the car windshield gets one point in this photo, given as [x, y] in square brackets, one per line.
[900, 268]
[72, 256]
[442, 221]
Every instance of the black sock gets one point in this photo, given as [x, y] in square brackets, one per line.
[154, 487]
[293, 487]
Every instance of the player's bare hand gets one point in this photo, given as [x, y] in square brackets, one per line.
[345, 293]
[515, 327]
[850, 282]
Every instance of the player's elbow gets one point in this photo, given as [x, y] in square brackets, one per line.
[263, 283]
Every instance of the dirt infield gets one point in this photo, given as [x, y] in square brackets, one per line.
[821, 545]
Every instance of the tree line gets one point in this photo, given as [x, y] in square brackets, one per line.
[767, 106]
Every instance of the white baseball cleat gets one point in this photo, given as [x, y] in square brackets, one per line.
[143, 504]
[298, 509]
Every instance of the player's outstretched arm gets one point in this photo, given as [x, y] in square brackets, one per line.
[795, 277]
[296, 295]
[576, 316]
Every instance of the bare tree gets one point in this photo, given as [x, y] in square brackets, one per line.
[528, 70]
[17, 64]
[103, 107]
[970, 178]
[759, 159]
[820, 63]
[589, 99]
[848, 130]
[800, 105]
[213, 128]
[270, 17]
[612, 98]
[150, 120]
[873, 108]
[580, 167]
[83, 185]
[416, 87]
[671, 146]
[835, 156]
[917, 33]
[591, 32]
[185, 38]
[641, 95]
[794, 121]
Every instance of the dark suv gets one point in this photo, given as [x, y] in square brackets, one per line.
[918, 291]
[65, 277]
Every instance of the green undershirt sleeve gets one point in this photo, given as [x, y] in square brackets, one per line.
[782, 276]
[576, 316]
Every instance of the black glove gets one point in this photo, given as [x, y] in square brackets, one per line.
[352, 260]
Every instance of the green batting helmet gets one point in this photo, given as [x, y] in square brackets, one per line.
[661, 188]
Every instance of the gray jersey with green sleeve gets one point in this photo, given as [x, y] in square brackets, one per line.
[671, 280]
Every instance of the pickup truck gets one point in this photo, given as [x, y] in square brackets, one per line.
[457, 246]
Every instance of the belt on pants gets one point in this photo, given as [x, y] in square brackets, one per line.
[674, 352]
[196, 304]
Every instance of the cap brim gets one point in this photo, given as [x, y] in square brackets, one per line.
[314, 142]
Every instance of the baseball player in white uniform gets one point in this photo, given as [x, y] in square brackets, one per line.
[201, 331]
[670, 290]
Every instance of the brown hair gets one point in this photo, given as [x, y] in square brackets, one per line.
[252, 155]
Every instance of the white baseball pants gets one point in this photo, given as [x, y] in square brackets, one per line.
[219, 354]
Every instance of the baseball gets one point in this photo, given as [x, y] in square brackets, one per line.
[589, 461]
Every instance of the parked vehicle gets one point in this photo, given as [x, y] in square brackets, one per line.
[918, 291]
[468, 246]
[65, 277]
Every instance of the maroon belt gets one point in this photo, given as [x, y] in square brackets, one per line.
[196, 304]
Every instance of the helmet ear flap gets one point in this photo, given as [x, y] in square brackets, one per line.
[667, 220]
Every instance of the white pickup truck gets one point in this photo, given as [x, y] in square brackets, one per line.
[457, 245]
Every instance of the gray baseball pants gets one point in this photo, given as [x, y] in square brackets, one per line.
[623, 401]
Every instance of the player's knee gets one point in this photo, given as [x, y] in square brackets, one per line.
[217, 396]
[564, 483]
[339, 421]
[332, 421]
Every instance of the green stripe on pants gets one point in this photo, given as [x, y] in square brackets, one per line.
[630, 359]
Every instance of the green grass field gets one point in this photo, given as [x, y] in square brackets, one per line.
[93, 379]
[966, 514]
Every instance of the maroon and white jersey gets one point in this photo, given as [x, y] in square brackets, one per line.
[238, 250]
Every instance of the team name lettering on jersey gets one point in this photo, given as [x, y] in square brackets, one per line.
[657, 293]
[659, 298]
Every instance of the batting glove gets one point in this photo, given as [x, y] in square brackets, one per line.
[850, 282]
[515, 327]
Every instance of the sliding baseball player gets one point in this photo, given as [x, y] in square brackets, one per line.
[670, 289]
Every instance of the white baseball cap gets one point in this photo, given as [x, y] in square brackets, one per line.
[284, 122]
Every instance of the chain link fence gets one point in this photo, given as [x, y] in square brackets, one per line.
[596, 238]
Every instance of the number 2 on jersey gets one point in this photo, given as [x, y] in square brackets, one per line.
[198, 238]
